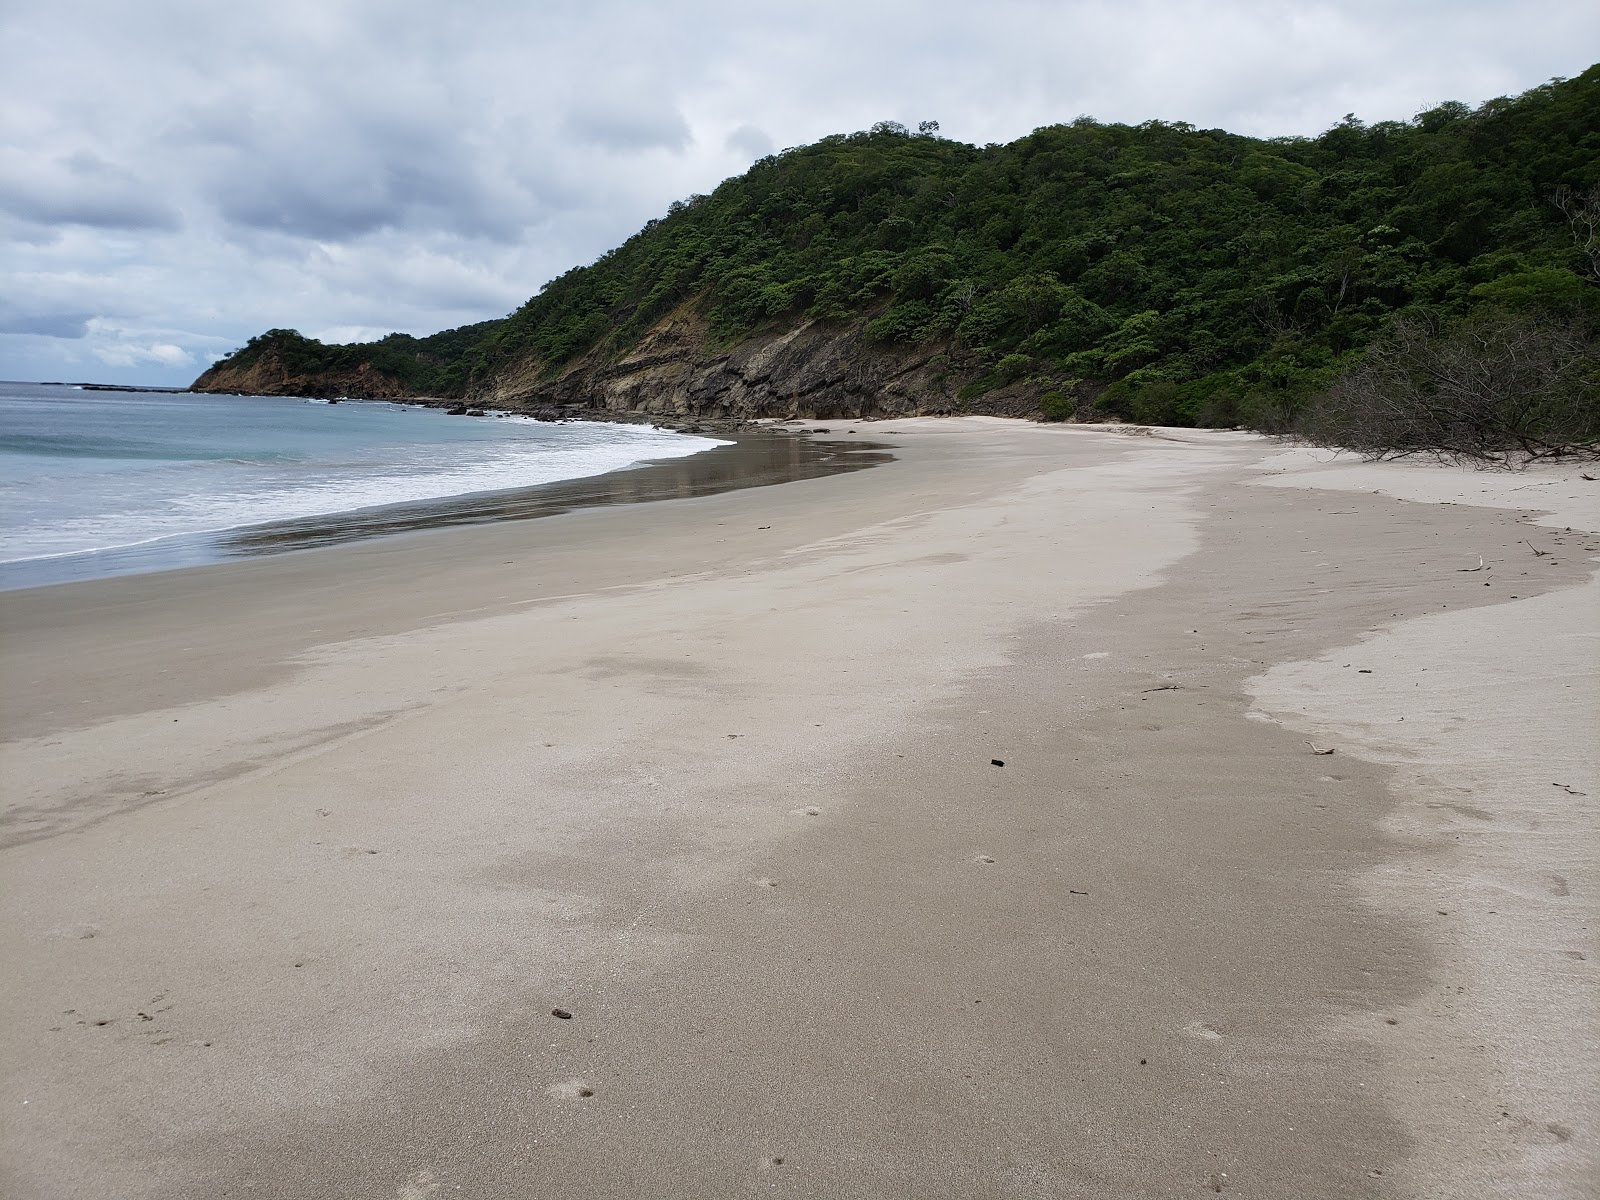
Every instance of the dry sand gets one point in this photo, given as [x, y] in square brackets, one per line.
[301, 853]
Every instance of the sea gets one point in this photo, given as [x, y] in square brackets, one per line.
[100, 483]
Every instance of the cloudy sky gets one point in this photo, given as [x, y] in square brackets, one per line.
[177, 175]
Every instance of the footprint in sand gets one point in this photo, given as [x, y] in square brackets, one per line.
[1199, 1029]
[419, 1187]
[77, 933]
[1099, 654]
[572, 1089]
[809, 811]
[1529, 1131]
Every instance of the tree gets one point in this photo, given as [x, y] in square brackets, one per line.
[1497, 384]
[1177, 264]
[1582, 211]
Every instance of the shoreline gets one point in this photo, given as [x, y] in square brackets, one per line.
[753, 458]
[324, 838]
[1493, 852]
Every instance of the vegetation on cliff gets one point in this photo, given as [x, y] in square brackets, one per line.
[1163, 272]
[284, 359]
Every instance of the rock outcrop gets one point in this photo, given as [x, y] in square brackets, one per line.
[814, 371]
[269, 376]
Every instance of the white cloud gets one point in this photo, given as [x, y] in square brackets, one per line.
[347, 334]
[124, 354]
[195, 173]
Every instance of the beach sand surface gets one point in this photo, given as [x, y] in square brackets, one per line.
[953, 827]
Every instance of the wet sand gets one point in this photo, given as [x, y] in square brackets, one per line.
[304, 851]
[753, 457]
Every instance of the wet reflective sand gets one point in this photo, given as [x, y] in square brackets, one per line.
[754, 460]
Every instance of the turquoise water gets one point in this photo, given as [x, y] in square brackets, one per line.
[99, 483]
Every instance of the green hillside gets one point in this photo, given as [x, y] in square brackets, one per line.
[1176, 274]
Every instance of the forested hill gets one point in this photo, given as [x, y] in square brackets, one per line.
[1161, 271]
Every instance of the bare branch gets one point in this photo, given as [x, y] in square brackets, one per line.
[1582, 211]
[1497, 385]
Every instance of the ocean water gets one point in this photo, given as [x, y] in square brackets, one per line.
[104, 483]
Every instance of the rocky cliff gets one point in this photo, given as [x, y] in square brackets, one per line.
[811, 371]
[269, 375]
[815, 371]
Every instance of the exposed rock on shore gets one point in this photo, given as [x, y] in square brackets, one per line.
[815, 371]
[268, 375]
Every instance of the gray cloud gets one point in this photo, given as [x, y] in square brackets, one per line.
[748, 140]
[339, 175]
[45, 324]
[188, 174]
[306, 205]
[81, 188]
[628, 128]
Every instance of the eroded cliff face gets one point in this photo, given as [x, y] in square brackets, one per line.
[818, 370]
[268, 376]
[815, 371]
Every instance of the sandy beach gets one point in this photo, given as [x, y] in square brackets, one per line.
[955, 827]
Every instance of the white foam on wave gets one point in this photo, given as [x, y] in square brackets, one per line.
[271, 492]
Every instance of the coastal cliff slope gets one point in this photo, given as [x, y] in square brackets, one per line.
[817, 370]
[271, 375]
[1160, 272]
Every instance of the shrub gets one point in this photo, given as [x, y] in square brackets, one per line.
[1058, 406]
[1499, 383]
[1013, 367]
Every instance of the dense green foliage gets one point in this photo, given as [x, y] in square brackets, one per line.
[434, 365]
[1187, 275]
